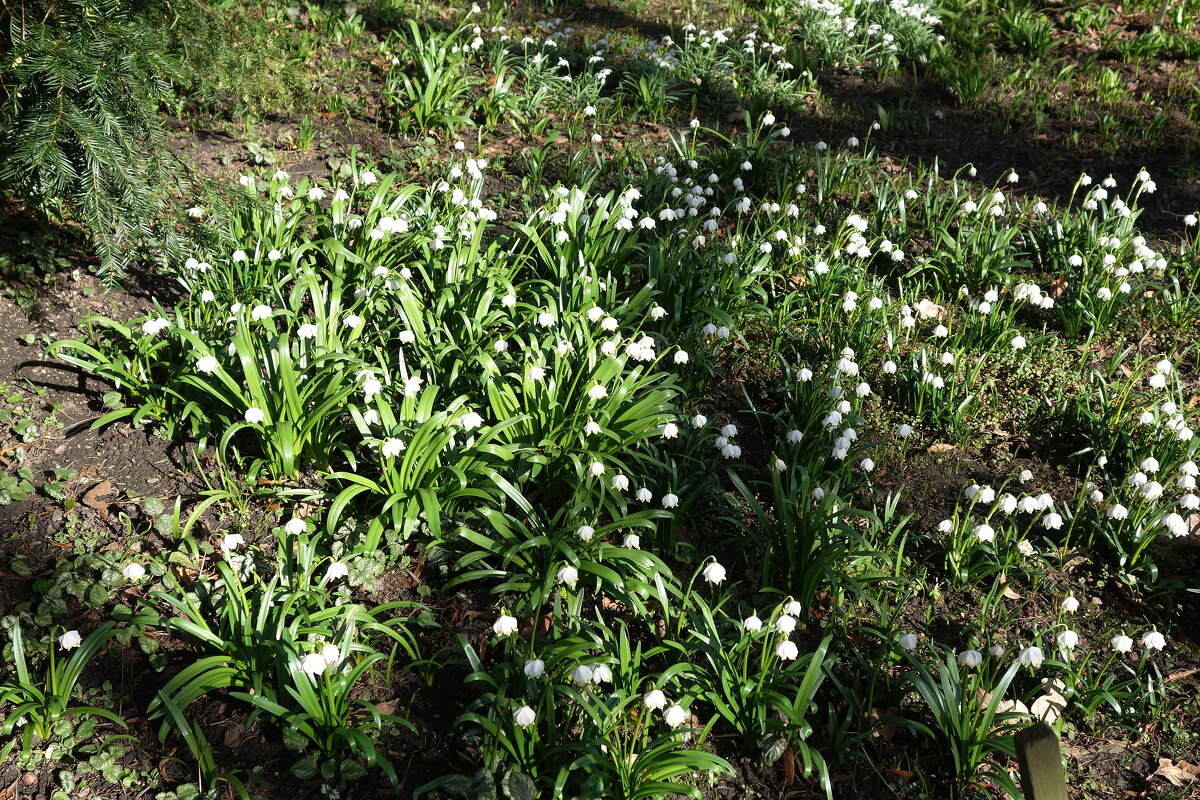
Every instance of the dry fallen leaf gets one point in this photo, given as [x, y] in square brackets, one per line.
[940, 447]
[91, 498]
[1177, 774]
[927, 309]
[234, 735]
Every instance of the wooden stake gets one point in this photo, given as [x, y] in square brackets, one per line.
[1040, 759]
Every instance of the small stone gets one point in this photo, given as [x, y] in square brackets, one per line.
[29, 778]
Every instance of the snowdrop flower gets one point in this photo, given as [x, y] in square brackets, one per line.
[1070, 604]
[1031, 657]
[337, 569]
[504, 625]
[134, 572]
[670, 430]
[1025, 548]
[970, 658]
[585, 532]
[1025, 476]
[1118, 512]
[620, 483]
[984, 533]
[295, 526]
[1067, 639]
[524, 716]
[681, 356]
[582, 674]
[307, 331]
[471, 420]
[254, 416]
[670, 500]
[207, 365]
[714, 573]
[1122, 644]
[598, 392]
[787, 650]
[153, 327]
[331, 654]
[945, 526]
[591, 428]
[644, 495]
[632, 541]
[597, 468]
[781, 466]
[785, 624]
[904, 431]
[1052, 521]
[996, 650]
[1018, 342]
[314, 664]
[535, 668]
[908, 641]
[601, 673]
[654, 699]
[1153, 640]
[752, 623]
[232, 542]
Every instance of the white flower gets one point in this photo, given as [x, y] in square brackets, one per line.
[134, 572]
[1025, 548]
[524, 716]
[984, 533]
[153, 327]
[568, 575]
[904, 431]
[591, 428]
[681, 356]
[1122, 644]
[1070, 604]
[620, 483]
[295, 526]
[1025, 476]
[1067, 639]
[670, 430]
[781, 466]
[331, 654]
[996, 650]
[232, 542]
[601, 673]
[535, 668]
[337, 569]
[670, 500]
[1052, 521]
[1153, 640]
[787, 650]
[598, 392]
[307, 331]
[714, 572]
[970, 658]
[504, 625]
[1031, 656]
[207, 365]
[1018, 342]
[632, 541]
[597, 468]
[581, 674]
[255, 416]
[908, 641]
[675, 716]
[314, 664]
[586, 532]
[471, 420]
[654, 699]
[1118, 512]
[785, 624]
[352, 321]
[752, 623]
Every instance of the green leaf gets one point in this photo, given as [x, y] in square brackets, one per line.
[305, 769]
[773, 748]
[518, 786]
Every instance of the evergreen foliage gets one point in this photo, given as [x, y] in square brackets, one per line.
[79, 130]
